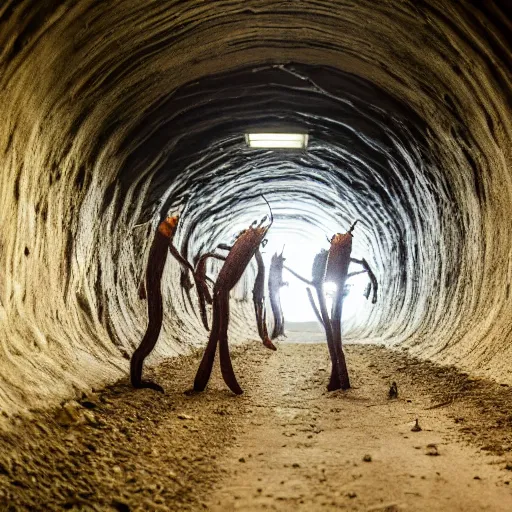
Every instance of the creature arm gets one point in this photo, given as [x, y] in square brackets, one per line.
[180, 258]
[203, 293]
[310, 283]
[352, 274]
[371, 275]
[313, 305]
[210, 255]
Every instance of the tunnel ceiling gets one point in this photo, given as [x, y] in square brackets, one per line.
[118, 113]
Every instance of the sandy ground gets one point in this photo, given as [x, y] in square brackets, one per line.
[286, 444]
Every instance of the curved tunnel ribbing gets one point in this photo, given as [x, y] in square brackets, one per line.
[116, 114]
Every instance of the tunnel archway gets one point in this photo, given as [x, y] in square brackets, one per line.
[117, 114]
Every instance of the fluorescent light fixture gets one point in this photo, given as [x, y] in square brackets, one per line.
[277, 140]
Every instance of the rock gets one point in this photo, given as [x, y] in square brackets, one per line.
[19, 483]
[88, 404]
[241, 459]
[70, 438]
[90, 418]
[121, 506]
[432, 449]
[90, 447]
[352, 494]
[90, 400]
[4, 469]
[367, 458]
[42, 427]
[69, 414]
[185, 417]
[388, 507]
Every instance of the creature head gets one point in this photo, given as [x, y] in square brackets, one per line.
[277, 260]
[168, 226]
[341, 237]
[318, 268]
[238, 235]
[338, 259]
[258, 230]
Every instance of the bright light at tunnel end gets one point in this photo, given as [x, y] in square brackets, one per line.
[277, 140]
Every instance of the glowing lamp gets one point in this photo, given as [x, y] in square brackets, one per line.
[277, 140]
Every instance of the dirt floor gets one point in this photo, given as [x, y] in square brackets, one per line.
[285, 444]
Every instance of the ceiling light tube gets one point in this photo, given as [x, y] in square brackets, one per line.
[277, 140]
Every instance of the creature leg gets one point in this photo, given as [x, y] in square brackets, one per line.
[202, 297]
[313, 305]
[279, 328]
[257, 311]
[205, 368]
[282, 325]
[334, 381]
[261, 321]
[275, 303]
[277, 320]
[337, 307]
[147, 345]
[186, 285]
[155, 268]
[266, 340]
[225, 360]
[200, 277]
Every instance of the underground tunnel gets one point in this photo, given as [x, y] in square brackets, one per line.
[119, 114]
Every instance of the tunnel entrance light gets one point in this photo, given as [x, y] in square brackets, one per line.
[277, 140]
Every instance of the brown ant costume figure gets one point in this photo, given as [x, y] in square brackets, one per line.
[258, 297]
[275, 283]
[153, 293]
[258, 294]
[240, 254]
[333, 265]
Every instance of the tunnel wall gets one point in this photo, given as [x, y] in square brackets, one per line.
[85, 179]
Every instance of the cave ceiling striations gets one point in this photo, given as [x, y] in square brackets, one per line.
[116, 113]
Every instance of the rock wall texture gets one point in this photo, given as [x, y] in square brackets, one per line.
[116, 113]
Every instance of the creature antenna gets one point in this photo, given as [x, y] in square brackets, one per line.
[353, 226]
[271, 214]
